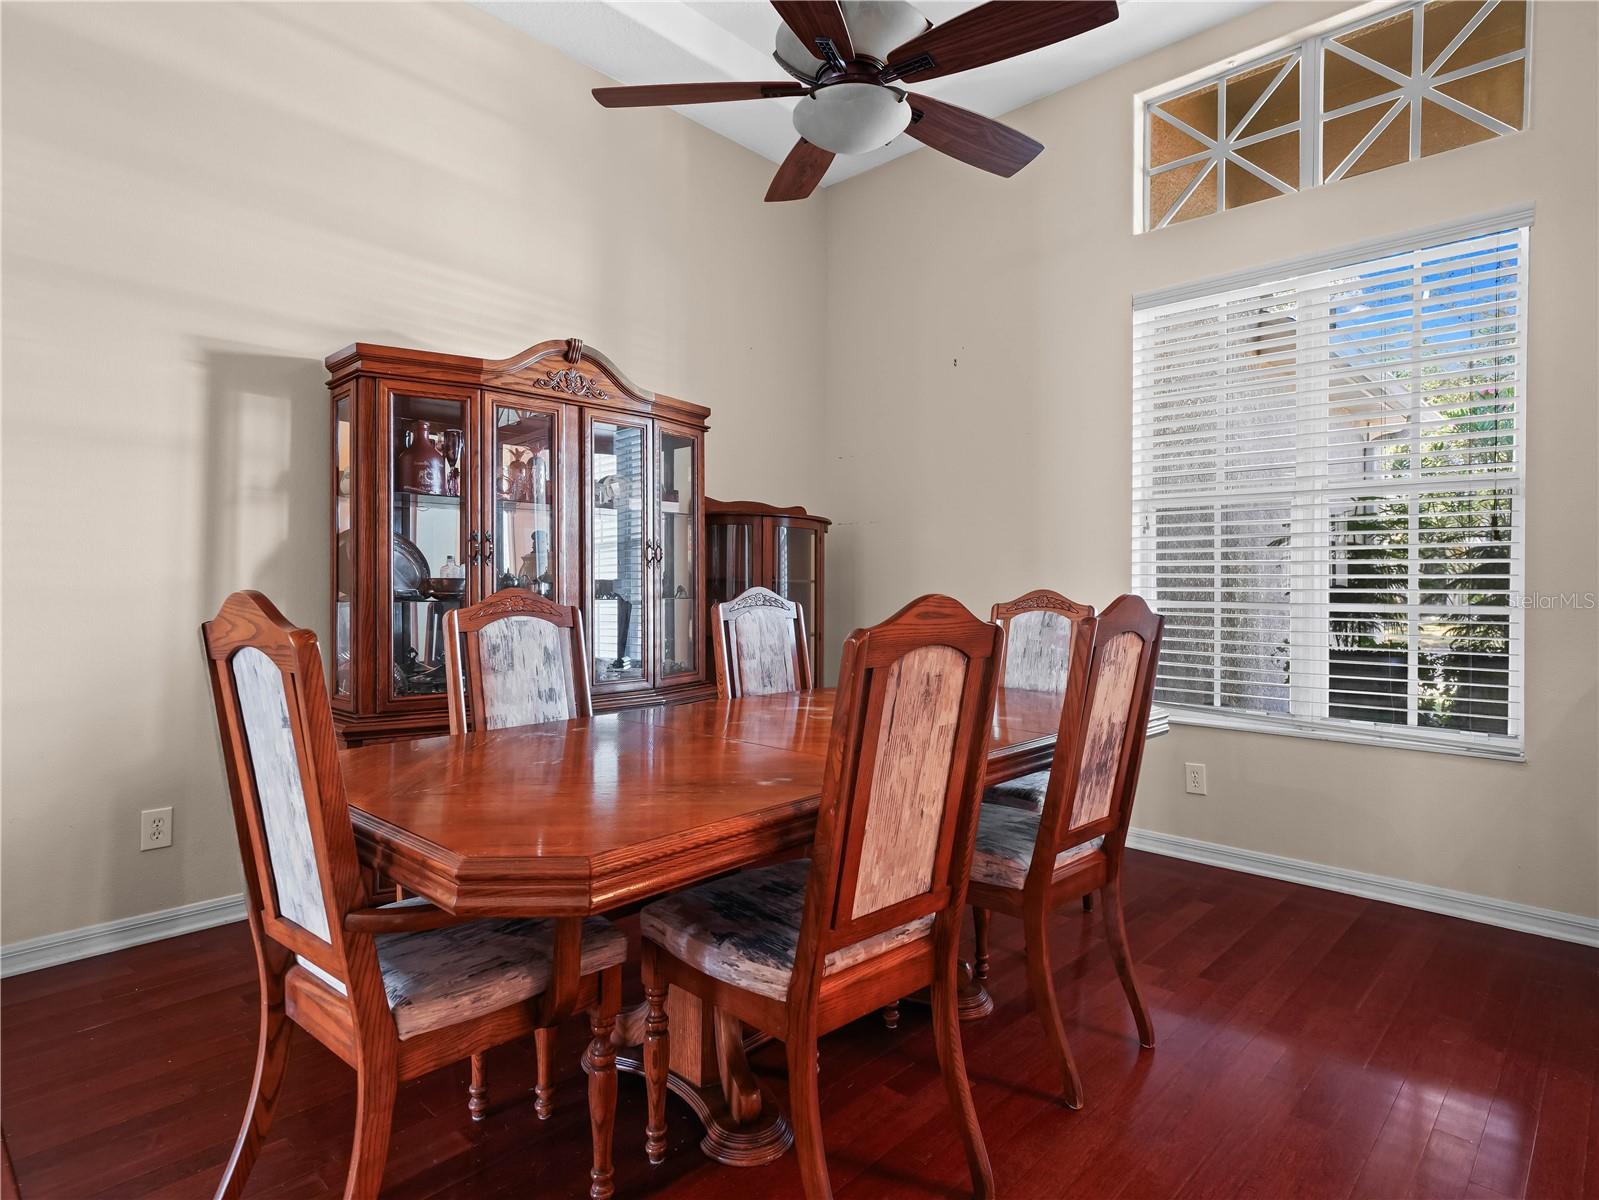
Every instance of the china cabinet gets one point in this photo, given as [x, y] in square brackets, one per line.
[750, 544]
[550, 471]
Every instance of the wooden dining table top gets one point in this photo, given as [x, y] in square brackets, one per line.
[589, 815]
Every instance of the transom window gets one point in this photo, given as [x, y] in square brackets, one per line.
[1327, 501]
[1404, 84]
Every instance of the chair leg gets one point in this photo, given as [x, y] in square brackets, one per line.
[477, 1092]
[271, 1057]
[601, 1061]
[1116, 936]
[805, 1114]
[544, 1090]
[980, 918]
[375, 1085]
[952, 1062]
[1088, 901]
[657, 1057]
[1040, 978]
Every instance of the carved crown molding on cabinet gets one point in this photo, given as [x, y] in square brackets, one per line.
[573, 383]
[579, 371]
[757, 508]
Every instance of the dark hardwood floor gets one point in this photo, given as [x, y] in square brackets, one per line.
[1309, 1044]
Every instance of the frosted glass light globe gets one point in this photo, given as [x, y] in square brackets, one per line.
[851, 118]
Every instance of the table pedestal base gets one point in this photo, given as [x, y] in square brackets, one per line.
[711, 1074]
[974, 1004]
[752, 1143]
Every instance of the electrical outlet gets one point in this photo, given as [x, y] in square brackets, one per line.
[1194, 779]
[155, 828]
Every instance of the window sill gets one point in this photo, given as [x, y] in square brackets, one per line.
[1434, 743]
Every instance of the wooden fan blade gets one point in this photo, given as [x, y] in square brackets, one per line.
[801, 171]
[998, 30]
[969, 136]
[811, 19]
[694, 93]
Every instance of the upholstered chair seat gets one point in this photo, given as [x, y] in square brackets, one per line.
[1005, 838]
[441, 977]
[1027, 792]
[744, 929]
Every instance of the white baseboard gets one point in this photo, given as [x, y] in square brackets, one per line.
[47, 951]
[54, 948]
[1546, 922]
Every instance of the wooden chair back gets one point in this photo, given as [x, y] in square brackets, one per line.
[515, 659]
[1039, 632]
[904, 777]
[278, 746]
[761, 647]
[1101, 743]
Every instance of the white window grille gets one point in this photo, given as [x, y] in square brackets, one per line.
[1405, 83]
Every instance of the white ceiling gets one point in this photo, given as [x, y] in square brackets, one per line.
[701, 41]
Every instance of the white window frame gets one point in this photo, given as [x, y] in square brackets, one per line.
[1309, 611]
[1309, 48]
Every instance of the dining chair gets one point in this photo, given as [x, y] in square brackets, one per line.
[1029, 862]
[1038, 640]
[760, 645]
[516, 658]
[802, 947]
[1038, 627]
[395, 991]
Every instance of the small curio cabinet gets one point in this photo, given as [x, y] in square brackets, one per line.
[455, 477]
[750, 544]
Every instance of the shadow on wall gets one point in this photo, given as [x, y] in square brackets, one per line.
[265, 491]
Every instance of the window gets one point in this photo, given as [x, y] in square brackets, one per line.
[1327, 492]
[1404, 84]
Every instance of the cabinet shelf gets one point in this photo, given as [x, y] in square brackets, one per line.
[425, 499]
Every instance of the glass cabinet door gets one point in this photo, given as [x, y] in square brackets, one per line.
[676, 553]
[343, 546]
[523, 553]
[427, 538]
[795, 576]
[619, 541]
[731, 549]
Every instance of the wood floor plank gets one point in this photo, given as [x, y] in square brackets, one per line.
[1312, 1045]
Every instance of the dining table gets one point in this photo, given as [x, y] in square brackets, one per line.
[598, 815]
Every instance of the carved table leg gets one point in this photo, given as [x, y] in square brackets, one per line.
[711, 1074]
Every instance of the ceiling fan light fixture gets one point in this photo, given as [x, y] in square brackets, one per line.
[879, 27]
[851, 118]
[795, 55]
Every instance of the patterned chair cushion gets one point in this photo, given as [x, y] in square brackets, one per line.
[744, 930]
[445, 976]
[1024, 793]
[1005, 838]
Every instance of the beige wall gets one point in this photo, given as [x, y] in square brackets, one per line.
[200, 202]
[979, 441]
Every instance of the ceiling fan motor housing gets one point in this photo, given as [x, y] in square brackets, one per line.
[876, 27]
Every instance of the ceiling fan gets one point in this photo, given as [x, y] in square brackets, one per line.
[845, 55]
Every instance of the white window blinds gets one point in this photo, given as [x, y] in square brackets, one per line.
[1327, 493]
